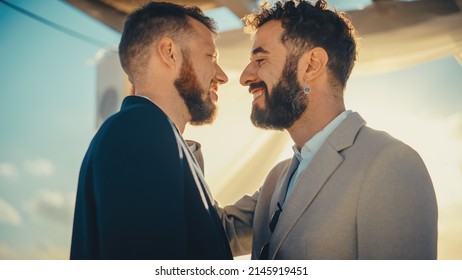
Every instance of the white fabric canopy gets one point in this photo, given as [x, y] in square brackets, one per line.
[395, 49]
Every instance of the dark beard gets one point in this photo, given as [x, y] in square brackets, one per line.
[286, 103]
[202, 110]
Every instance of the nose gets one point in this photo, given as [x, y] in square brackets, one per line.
[248, 76]
[220, 75]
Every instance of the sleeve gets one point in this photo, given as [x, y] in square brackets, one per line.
[237, 220]
[139, 190]
[397, 210]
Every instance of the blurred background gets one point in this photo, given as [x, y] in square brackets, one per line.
[60, 78]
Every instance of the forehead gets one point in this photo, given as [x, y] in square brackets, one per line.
[268, 37]
[202, 35]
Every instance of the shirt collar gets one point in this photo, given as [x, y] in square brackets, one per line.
[313, 145]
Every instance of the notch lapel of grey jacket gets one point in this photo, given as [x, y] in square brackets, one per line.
[324, 163]
[281, 187]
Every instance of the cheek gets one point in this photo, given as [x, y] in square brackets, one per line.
[207, 75]
[201, 78]
[204, 80]
[270, 78]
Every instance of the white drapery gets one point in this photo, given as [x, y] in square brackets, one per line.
[420, 38]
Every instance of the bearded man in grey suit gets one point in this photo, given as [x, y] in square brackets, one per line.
[349, 192]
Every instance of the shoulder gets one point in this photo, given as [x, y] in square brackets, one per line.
[139, 124]
[139, 116]
[137, 142]
[391, 160]
[382, 141]
[139, 111]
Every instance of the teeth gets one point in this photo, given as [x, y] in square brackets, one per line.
[257, 93]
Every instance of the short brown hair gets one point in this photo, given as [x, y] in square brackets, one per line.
[149, 24]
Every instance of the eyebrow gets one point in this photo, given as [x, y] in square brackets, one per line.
[259, 50]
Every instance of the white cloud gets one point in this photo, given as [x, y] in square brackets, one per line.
[44, 250]
[49, 251]
[7, 253]
[8, 214]
[52, 206]
[40, 167]
[8, 170]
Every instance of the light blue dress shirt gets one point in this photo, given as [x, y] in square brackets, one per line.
[311, 148]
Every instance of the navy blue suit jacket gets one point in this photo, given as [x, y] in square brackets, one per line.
[141, 194]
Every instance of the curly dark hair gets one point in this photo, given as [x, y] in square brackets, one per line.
[307, 26]
[150, 23]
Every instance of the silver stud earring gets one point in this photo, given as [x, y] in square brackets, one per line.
[306, 89]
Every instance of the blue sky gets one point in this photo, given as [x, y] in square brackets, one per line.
[47, 119]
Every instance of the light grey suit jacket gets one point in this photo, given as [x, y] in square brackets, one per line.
[365, 195]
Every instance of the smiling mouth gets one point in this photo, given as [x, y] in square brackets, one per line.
[214, 93]
[257, 93]
[257, 90]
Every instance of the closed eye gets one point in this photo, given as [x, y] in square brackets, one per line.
[259, 61]
[214, 57]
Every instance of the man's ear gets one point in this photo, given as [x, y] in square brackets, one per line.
[167, 51]
[313, 63]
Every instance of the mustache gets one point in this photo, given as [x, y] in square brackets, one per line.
[257, 85]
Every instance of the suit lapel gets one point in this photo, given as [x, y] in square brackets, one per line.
[183, 149]
[281, 187]
[306, 189]
[196, 170]
[310, 183]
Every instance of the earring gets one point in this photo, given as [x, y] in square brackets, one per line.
[306, 89]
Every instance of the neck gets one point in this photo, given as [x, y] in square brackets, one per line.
[169, 104]
[313, 120]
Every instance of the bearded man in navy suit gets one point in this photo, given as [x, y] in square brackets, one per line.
[141, 192]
